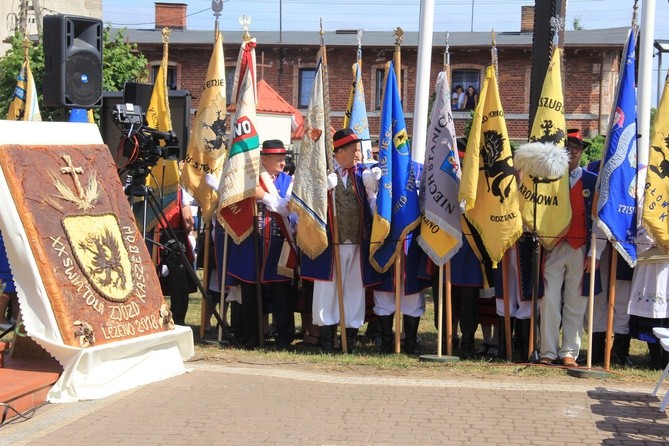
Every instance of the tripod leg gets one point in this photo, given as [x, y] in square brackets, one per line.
[151, 199]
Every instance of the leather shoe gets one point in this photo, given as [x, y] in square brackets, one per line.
[568, 361]
[546, 361]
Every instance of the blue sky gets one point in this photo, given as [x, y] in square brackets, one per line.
[384, 15]
[376, 15]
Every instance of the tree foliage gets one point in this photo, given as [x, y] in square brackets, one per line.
[121, 63]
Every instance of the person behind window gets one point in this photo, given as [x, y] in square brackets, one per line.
[458, 98]
[471, 98]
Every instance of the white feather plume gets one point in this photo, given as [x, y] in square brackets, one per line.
[541, 159]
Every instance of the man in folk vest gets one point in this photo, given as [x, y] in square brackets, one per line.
[352, 200]
[567, 267]
[276, 251]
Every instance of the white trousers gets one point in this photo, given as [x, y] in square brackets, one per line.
[412, 304]
[563, 266]
[621, 320]
[326, 303]
[517, 308]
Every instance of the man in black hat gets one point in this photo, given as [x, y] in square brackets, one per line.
[351, 198]
[567, 266]
[276, 248]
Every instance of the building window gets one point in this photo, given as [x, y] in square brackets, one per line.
[466, 79]
[171, 76]
[379, 77]
[306, 82]
[229, 80]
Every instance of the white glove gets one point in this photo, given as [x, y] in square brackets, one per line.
[332, 180]
[282, 208]
[164, 271]
[276, 204]
[211, 181]
[370, 178]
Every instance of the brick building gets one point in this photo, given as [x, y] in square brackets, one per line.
[286, 61]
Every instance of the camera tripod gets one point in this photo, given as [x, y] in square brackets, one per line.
[136, 189]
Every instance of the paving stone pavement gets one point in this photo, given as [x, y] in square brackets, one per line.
[253, 405]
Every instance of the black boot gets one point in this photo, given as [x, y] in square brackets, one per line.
[327, 341]
[351, 334]
[598, 347]
[521, 339]
[655, 351]
[387, 338]
[469, 298]
[621, 349]
[411, 334]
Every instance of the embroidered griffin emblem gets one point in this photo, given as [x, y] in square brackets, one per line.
[549, 133]
[662, 169]
[218, 128]
[106, 267]
[500, 171]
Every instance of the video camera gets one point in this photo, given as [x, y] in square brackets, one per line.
[142, 143]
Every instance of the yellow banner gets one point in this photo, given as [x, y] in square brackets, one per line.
[24, 105]
[488, 185]
[553, 214]
[166, 172]
[656, 195]
[206, 148]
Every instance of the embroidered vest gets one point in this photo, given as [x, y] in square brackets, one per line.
[348, 213]
[577, 234]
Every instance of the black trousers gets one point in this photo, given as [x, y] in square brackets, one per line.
[465, 300]
[178, 279]
[282, 310]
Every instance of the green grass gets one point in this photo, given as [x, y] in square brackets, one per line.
[368, 361]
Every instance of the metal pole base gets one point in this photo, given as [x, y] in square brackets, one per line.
[534, 357]
[437, 358]
[583, 372]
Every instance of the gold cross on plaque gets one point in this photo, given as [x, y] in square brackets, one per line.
[74, 173]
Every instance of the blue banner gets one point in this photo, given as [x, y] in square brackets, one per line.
[397, 210]
[617, 202]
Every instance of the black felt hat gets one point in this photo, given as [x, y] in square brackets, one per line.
[574, 136]
[274, 147]
[343, 137]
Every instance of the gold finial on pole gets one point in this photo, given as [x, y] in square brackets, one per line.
[245, 21]
[399, 34]
[493, 50]
[166, 34]
[166, 40]
[26, 47]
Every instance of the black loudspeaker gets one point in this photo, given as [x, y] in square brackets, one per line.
[72, 61]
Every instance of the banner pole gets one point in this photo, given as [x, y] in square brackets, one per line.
[440, 316]
[507, 307]
[205, 276]
[331, 198]
[224, 268]
[611, 307]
